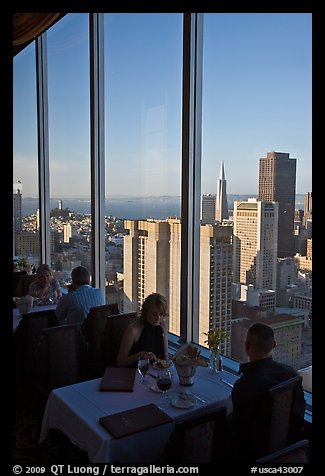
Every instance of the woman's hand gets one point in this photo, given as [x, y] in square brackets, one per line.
[164, 324]
[148, 355]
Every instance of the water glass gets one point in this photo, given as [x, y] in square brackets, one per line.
[143, 368]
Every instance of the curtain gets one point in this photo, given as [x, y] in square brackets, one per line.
[27, 26]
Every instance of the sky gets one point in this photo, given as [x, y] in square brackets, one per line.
[257, 95]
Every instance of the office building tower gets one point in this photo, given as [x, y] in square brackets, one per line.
[17, 222]
[207, 209]
[17, 207]
[277, 183]
[146, 261]
[152, 263]
[221, 200]
[264, 298]
[59, 204]
[215, 281]
[175, 275]
[255, 243]
[68, 232]
[308, 205]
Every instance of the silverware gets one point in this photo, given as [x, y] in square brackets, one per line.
[227, 383]
[152, 375]
[185, 394]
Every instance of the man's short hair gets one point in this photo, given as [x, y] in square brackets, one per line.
[262, 337]
[80, 275]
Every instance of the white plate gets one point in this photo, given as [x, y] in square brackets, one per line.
[180, 403]
[158, 367]
[154, 388]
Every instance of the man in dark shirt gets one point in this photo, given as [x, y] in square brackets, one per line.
[258, 375]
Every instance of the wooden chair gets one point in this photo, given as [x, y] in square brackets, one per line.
[93, 328]
[61, 359]
[197, 440]
[277, 422]
[115, 328]
[26, 339]
[294, 454]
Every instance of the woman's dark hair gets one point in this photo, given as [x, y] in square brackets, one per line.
[80, 275]
[154, 299]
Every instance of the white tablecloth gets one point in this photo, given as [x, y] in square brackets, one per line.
[76, 409]
[16, 316]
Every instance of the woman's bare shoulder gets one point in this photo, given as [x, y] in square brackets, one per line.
[135, 328]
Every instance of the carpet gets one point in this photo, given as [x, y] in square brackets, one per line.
[56, 449]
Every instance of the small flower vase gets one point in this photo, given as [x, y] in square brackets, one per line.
[215, 360]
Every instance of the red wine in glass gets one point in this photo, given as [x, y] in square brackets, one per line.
[164, 382]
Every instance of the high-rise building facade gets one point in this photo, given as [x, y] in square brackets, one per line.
[215, 281]
[277, 183]
[222, 212]
[308, 207]
[146, 261]
[17, 207]
[207, 209]
[152, 263]
[255, 243]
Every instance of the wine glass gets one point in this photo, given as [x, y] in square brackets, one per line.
[164, 382]
[143, 367]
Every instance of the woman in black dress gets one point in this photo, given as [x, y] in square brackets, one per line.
[147, 336]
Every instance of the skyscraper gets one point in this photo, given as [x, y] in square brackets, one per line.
[255, 233]
[207, 209]
[215, 281]
[17, 206]
[146, 261]
[277, 183]
[308, 208]
[152, 263]
[221, 200]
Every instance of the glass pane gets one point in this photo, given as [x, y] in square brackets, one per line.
[69, 139]
[26, 243]
[143, 68]
[256, 100]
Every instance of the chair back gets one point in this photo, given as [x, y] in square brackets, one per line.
[276, 419]
[115, 328]
[283, 398]
[196, 440]
[93, 329]
[27, 337]
[65, 354]
[293, 454]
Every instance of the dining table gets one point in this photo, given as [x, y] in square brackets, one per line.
[16, 315]
[75, 410]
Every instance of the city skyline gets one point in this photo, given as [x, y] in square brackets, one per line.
[256, 99]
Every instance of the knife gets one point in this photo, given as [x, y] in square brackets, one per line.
[227, 383]
[152, 375]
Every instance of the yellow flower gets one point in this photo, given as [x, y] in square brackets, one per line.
[215, 337]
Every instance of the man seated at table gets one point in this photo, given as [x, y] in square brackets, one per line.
[258, 375]
[74, 306]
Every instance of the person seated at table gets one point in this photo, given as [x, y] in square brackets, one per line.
[258, 375]
[27, 269]
[74, 306]
[147, 336]
[45, 289]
